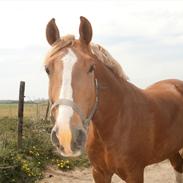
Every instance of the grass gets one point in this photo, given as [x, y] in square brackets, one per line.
[27, 165]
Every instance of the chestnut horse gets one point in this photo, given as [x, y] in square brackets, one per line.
[123, 128]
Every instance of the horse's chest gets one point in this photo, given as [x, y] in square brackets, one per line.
[108, 156]
[104, 158]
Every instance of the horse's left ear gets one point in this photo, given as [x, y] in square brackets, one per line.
[85, 30]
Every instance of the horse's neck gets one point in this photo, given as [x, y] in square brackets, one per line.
[112, 91]
[114, 96]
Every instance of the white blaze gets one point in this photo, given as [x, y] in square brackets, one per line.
[64, 112]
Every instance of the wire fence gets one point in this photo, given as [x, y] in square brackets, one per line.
[36, 119]
[33, 110]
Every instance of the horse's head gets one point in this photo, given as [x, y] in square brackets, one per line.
[72, 87]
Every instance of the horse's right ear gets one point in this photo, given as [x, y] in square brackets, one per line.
[52, 32]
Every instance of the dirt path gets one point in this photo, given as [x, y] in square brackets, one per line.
[157, 173]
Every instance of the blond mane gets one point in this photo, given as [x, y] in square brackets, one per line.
[104, 56]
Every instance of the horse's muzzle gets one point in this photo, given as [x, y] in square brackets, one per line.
[77, 143]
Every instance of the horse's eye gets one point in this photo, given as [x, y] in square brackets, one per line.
[91, 69]
[47, 70]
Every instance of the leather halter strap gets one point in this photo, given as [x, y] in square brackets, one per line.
[74, 106]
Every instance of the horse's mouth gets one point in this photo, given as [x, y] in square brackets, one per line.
[73, 154]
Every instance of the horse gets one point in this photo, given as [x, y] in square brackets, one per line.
[96, 108]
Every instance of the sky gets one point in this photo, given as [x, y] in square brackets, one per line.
[144, 36]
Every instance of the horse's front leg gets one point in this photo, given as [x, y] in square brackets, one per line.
[136, 176]
[101, 177]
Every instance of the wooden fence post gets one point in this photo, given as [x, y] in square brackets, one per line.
[47, 111]
[20, 113]
[37, 112]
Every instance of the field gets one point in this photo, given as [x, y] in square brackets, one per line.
[31, 110]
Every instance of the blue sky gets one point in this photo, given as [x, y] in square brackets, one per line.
[146, 37]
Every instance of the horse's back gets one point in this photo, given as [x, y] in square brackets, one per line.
[170, 86]
[166, 97]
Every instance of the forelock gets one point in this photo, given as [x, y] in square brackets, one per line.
[63, 42]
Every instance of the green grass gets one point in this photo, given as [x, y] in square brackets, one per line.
[27, 164]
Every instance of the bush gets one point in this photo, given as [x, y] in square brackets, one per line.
[27, 164]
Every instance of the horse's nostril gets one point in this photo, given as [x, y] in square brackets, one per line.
[54, 138]
[61, 148]
[80, 138]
